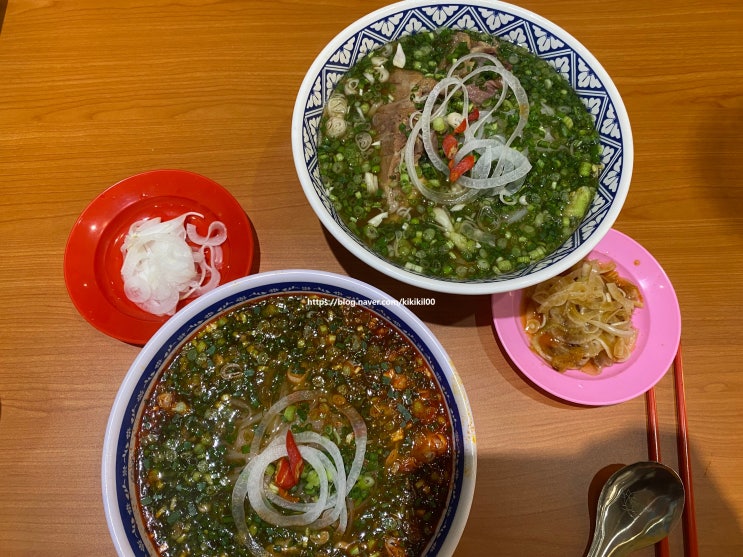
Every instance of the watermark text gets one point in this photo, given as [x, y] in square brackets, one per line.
[335, 302]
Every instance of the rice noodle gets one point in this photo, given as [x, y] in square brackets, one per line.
[499, 168]
[583, 318]
[168, 261]
[313, 512]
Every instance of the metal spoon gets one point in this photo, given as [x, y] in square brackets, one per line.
[638, 506]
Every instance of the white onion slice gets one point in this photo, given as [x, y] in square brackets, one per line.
[161, 267]
[500, 167]
[360, 437]
[256, 496]
[273, 412]
[329, 507]
[337, 472]
[215, 235]
[250, 483]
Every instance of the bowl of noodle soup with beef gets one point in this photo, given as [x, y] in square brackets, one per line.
[468, 148]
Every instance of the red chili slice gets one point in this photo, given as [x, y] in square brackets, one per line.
[471, 117]
[450, 146]
[289, 468]
[461, 167]
[284, 476]
[296, 462]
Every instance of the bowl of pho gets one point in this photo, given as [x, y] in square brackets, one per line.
[465, 147]
[297, 412]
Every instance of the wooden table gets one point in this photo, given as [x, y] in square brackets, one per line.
[93, 91]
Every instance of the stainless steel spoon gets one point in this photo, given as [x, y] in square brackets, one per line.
[638, 506]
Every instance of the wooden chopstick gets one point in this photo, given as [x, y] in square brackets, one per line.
[653, 428]
[662, 547]
[691, 544]
[3, 9]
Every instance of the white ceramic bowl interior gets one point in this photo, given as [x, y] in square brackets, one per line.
[119, 509]
[542, 37]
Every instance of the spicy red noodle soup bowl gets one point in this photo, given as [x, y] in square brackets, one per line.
[462, 147]
[295, 411]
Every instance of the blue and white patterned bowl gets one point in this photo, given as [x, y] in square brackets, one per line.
[542, 37]
[119, 504]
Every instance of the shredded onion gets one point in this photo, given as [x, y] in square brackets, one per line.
[168, 261]
[327, 508]
[500, 168]
[583, 318]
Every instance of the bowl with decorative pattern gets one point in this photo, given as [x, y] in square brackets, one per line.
[511, 236]
[374, 404]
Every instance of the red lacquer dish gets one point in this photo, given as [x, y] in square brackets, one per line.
[93, 256]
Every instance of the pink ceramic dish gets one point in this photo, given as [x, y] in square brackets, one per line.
[658, 323]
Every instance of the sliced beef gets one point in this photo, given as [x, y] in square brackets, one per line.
[407, 86]
[389, 118]
[478, 94]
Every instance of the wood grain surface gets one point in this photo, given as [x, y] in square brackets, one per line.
[93, 91]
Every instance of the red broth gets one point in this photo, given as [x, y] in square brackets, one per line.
[196, 429]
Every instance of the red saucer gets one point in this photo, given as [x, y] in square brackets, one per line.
[93, 258]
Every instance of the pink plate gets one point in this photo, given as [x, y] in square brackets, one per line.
[658, 323]
[93, 258]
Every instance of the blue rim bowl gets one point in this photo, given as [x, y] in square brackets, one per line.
[118, 501]
[540, 36]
